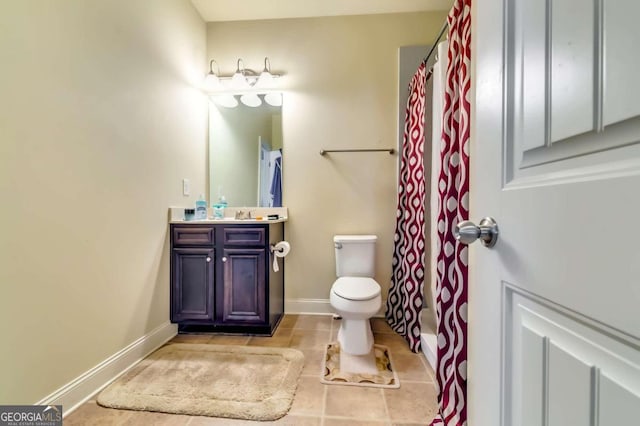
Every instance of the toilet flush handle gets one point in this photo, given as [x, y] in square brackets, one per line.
[337, 245]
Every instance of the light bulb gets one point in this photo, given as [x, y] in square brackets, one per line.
[239, 81]
[265, 81]
[273, 99]
[251, 100]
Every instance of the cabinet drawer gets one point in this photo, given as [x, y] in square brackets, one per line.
[244, 236]
[193, 236]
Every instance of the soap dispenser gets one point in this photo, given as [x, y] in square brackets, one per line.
[201, 208]
[218, 208]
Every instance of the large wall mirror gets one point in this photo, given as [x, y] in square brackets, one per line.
[245, 155]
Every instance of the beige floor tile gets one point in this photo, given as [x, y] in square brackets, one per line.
[313, 322]
[218, 421]
[155, 419]
[334, 421]
[222, 339]
[430, 371]
[288, 321]
[410, 367]
[427, 422]
[356, 402]
[274, 342]
[191, 338]
[283, 332]
[394, 342]
[313, 361]
[380, 325]
[91, 413]
[316, 339]
[309, 397]
[412, 403]
[290, 420]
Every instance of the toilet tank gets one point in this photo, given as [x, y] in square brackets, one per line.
[355, 255]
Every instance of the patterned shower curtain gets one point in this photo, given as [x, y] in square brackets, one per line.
[404, 302]
[453, 207]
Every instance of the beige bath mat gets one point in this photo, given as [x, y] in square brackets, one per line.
[240, 382]
[386, 377]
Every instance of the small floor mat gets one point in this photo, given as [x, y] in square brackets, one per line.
[386, 377]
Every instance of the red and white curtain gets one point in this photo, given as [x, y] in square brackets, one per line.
[404, 302]
[453, 207]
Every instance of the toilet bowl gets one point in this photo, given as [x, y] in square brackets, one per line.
[355, 295]
[355, 299]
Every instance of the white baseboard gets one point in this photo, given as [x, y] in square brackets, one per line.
[80, 389]
[316, 307]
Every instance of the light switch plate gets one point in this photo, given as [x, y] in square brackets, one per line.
[186, 187]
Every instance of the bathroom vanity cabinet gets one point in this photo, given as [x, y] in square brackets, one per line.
[222, 279]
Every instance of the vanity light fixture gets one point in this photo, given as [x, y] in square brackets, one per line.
[265, 79]
[211, 80]
[245, 83]
[239, 79]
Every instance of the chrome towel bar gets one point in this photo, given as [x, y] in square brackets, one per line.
[389, 150]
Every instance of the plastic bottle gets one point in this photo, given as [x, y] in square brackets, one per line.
[201, 208]
[218, 208]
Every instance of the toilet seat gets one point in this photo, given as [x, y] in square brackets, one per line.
[356, 288]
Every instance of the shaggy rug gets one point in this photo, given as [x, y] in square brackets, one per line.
[332, 375]
[240, 382]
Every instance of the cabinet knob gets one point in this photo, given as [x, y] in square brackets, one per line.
[208, 259]
[224, 259]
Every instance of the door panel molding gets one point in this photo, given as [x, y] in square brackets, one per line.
[560, 85]
[561, 358]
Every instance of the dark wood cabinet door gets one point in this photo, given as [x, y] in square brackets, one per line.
[244, 285]
[192, 284]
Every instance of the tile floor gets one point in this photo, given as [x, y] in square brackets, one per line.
[314, 403]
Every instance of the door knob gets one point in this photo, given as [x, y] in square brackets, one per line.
[467, 232]
[208, 259]
[224, 259]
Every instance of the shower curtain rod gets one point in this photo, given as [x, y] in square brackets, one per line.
[435, 43]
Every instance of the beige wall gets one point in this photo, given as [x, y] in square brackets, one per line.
[341, 92]
[99, 121]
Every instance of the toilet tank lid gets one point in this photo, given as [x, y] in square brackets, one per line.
[354, 238]
[356, 288]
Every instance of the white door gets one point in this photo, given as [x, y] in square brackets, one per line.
[264, 172]
[554, 311]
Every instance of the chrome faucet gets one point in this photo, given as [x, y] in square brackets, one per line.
[243, 214]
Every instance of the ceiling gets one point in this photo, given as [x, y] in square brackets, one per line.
[241, 10]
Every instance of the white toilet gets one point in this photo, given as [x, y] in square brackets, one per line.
[355, 295]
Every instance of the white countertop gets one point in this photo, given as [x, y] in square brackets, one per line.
[176, 215]
[230, 220]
